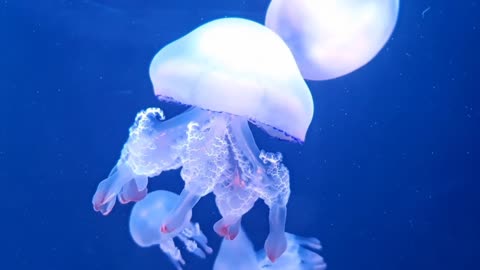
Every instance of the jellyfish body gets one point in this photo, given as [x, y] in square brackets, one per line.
[231, 71]
[237, 66]
[332, 38]
[246, 72]
[148, 214]
[301, 254]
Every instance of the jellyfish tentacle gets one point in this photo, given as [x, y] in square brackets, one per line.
[275, 192]
[233, 195]
[173, 253]
[228, 227]
[204, 161]
[269, 180]
[191, 246]
[178, 215]
[276, 242]
[141, 182]
[104, 198]
[192, 237]
[193, 231]
[307, 249]
[132, 191]
[234, 198]
[244, 148]
[307, 242]
[136, 162]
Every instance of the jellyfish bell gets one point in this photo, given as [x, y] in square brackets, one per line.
[240, 67]
[148, 214]
[332, 38]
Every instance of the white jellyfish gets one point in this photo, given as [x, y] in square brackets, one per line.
[301, 254]
[230, 71]
[146, 218]
[331, 38]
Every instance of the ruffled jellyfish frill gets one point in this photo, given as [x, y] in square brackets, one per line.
[331, 38]
[301, 254]
[230, 71]
[147, 216]
[237, 66]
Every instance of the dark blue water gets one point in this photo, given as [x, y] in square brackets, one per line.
[386, 178]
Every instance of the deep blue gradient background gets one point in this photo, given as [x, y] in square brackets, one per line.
[386, 179]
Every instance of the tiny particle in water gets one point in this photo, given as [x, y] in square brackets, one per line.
[425, 12]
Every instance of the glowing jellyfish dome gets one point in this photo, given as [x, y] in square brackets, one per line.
[230, 72]
[331, 38]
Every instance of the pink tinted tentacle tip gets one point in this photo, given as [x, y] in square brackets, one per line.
[228, 228]
[127, 196]
[275, 245]
[99, 199]
[220, 228]
[207, 249]
[225, 230]
[105, 207]
[233, 230]
[173, 222]
[231, 236]
[164, 229]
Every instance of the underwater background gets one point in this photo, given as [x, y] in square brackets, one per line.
[385, 179]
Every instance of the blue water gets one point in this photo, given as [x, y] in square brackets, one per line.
[385, 178]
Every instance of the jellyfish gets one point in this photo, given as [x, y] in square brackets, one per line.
[301, 254]
[229, 72]
[148, 214]
[331, 38]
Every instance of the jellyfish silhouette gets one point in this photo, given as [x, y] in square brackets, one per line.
[331, 38]
[148, 214]
[301, 254]
[230, 71]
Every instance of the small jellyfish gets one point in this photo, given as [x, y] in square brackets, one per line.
[331, 38]
[301, 254]
[239, 252]
[147, 216]
[230, 72]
